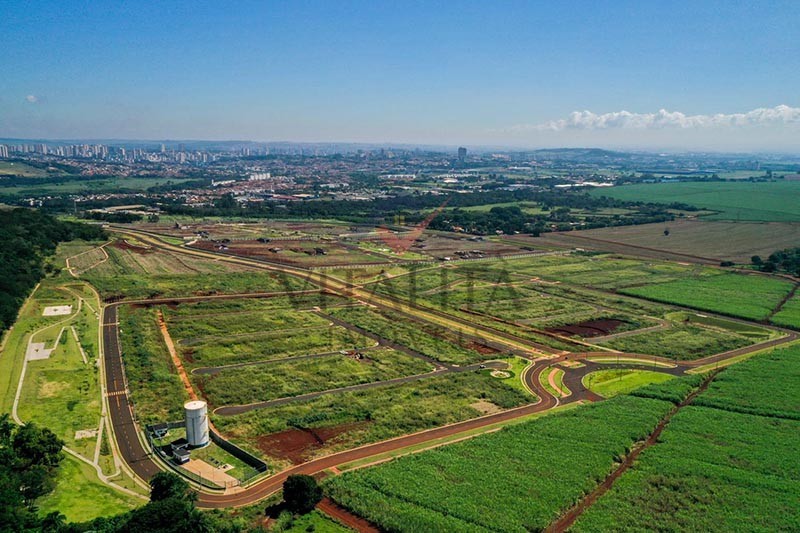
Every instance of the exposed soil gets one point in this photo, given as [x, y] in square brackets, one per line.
[125, 245]
[589, 328]
[481, 348]
[296, 445]
[345, 517]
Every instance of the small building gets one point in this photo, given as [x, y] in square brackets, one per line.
[181, 455]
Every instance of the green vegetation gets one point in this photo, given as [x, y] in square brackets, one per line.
[681, 342]
[301, 493]
[29, 458]
[251, 384]
[789, 314]
[608, 383]
[752, 297]
[275, 344]
[434, 341]
[725, 463]
[475, 485]
[782, 261]
[28, 236]
[382, 412]
[77, 483]
[156, 390]
[766, 201]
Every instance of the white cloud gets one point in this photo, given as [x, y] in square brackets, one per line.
[32, 98]
[586, 120]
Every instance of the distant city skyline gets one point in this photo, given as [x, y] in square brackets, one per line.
[682, 76]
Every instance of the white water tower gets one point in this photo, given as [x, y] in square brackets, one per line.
[196, 423]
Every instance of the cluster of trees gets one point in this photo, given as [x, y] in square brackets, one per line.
[513, 219]
[781, 261]
[28, 236]
[29, 457]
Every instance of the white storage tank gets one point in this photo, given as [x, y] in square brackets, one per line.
[196, 423]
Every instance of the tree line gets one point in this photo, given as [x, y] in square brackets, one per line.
[27, 237]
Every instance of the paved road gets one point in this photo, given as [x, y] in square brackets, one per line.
[119, 405]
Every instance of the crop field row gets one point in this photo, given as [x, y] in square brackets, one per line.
[725, 463]
[752, 297]
[283, 379]
[768, 202]
[476, 485]
[789, 314]
[350, 419]
[434, 341]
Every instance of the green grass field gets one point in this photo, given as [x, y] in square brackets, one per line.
[768, 202]
[752, 297]
[80, 496]
[608, 383]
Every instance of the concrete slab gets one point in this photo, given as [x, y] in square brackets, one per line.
[57, 310]
[37, 351]
[215, 475]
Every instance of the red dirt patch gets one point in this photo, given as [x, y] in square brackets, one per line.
[296, 445]
[125, 245]
[589, 328]
[481, 348]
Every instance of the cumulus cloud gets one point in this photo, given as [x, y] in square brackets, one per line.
[32, 98]
[586, 120]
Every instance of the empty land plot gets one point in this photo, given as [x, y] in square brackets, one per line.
[681, 342]
[156, 389]
[533, 308]
[273, 344]
[789, 314]
[745, 296]
[343, 421]
[608, 383]
[734, 241]
[301, 253]
[477, 485]
[232, 306]
[139, 286]
[434, 341]
[719, 465]
[236, 386]
[193, 329]
[417, 282]
[768, 202]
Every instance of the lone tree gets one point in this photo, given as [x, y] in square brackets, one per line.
[168, 485]
[301, 493]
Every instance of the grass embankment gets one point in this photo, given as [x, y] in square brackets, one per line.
[608, 383]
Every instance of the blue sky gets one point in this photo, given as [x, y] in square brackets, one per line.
[501, 73]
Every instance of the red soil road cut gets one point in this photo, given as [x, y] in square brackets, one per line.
[296, 445]
[345, 517]
[589, 328]
[122, 244]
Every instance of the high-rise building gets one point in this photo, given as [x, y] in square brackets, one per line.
[3, 151]
[462, 153]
